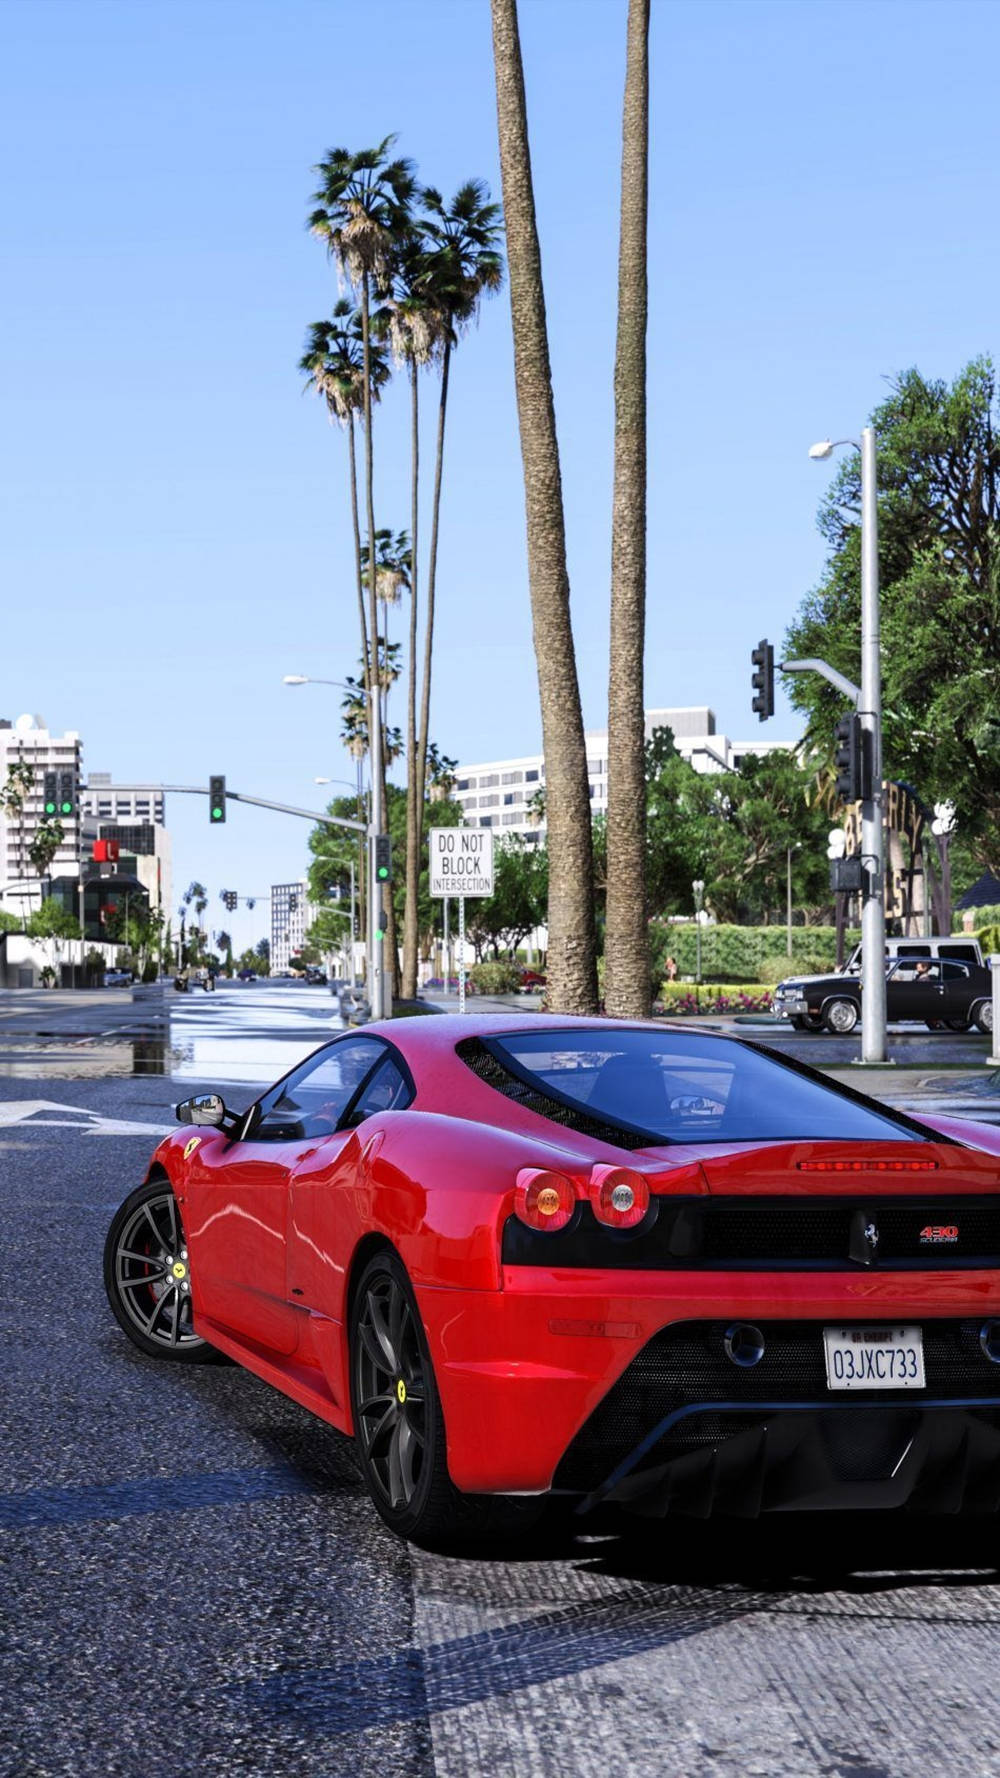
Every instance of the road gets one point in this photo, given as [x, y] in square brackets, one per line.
[196, 1582]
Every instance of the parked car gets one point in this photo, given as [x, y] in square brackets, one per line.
[666, 1270]
[118, 978]
[532, 981]
[246, 975]
[935, 990]
[315, 976]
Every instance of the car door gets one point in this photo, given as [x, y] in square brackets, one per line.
[238, 1192]
[317, 1238]
[913, 989]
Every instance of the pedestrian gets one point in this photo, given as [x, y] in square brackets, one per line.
[670, 967]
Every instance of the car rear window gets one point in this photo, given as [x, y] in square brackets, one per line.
[679, 1088]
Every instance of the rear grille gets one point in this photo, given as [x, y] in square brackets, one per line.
[774, 1234]
[686, 1364]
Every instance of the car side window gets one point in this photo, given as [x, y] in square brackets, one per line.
[387, 1090]
[955, 972]
[312, 1100]
[917, 969]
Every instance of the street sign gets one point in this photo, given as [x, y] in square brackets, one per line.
[461, 861]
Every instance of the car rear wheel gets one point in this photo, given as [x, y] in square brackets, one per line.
[982, 1015]
[840, 1017]
[399, 1425]
[148, 1278]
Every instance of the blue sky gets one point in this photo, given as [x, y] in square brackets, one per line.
[174, 518]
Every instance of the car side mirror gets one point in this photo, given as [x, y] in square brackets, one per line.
[204, 1109]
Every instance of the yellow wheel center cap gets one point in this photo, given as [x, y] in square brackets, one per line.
[400, 1392]
[179, 1269]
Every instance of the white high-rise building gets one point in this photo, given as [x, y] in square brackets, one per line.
[30, 741]
[500, 793]
[291, 917]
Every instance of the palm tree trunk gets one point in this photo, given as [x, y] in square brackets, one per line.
[358, 575]
[626, 945]
[414, 777]
[425, 690]
[572, 972]
[376, 750]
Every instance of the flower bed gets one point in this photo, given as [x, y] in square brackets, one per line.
[678, 998]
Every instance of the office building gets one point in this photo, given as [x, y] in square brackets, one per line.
[29, 740]
[291, 916]
[134, 816]
[502, 793]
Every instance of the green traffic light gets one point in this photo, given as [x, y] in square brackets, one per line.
[50, 808]
[216, 814]
[382, 873]
[67, 809]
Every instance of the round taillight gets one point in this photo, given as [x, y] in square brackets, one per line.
[619, 1195]
[544, 1200]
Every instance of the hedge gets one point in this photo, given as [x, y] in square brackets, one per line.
[735, 953]
[499, 977]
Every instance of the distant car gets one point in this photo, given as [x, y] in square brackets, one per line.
[935, 990]
[118, 978]
[315, 976]
[531, 980]
[246, 975]
[522, 1255]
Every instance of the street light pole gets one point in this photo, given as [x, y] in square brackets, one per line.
[698, 889]
[873, 1003]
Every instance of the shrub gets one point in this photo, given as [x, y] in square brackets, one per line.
[989, 936]
[775, 969]
[498, 977]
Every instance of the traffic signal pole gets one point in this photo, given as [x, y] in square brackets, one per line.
[873, 1001]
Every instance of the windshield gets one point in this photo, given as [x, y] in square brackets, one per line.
[681, 1088]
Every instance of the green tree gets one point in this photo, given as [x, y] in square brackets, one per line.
[362, 214]
[333, 364]
[460, 262]
[52, 920]
[572, 949]
[627, 972]
[519, 901]
[939, 562]
[45, 843]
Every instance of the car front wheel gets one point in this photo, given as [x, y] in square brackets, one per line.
[840, 1017]
[982, 1015]
[148, 1278]
[399, 1425]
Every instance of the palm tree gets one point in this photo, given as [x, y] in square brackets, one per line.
[460, 261]
[572, 969]
[362, 208]
[333, 365]
[627, 989]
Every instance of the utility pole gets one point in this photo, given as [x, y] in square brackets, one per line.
[873, 1003]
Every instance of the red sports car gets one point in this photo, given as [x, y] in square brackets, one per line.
[517, 1257]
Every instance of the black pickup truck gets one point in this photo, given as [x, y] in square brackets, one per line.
[939, 992]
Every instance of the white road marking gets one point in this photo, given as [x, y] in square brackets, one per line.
[73, 1117]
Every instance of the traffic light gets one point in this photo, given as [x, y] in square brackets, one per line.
[383, 858]
[216, 800]
[50, 795]
[848, 758]
[67, 795]
[229, 899]
[763, 680]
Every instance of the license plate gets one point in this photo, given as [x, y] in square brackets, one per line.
[874, 1357]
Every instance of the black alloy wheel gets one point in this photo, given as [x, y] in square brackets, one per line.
[399, 1425]
[148, 1279]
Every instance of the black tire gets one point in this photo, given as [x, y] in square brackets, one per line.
[947, 1024]
[399, 1425]
[840, 1017]
[147, 1278]
[982, 1016]
[798, 1023]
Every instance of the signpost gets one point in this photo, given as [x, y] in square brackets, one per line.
[461, 864]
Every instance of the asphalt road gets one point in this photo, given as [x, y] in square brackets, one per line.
[195, 1583]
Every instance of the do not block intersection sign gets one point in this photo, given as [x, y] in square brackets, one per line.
[461, 861]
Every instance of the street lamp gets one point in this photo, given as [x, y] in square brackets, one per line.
[873, 1009]
[942, 827]
[788, 905]
[697, 890]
